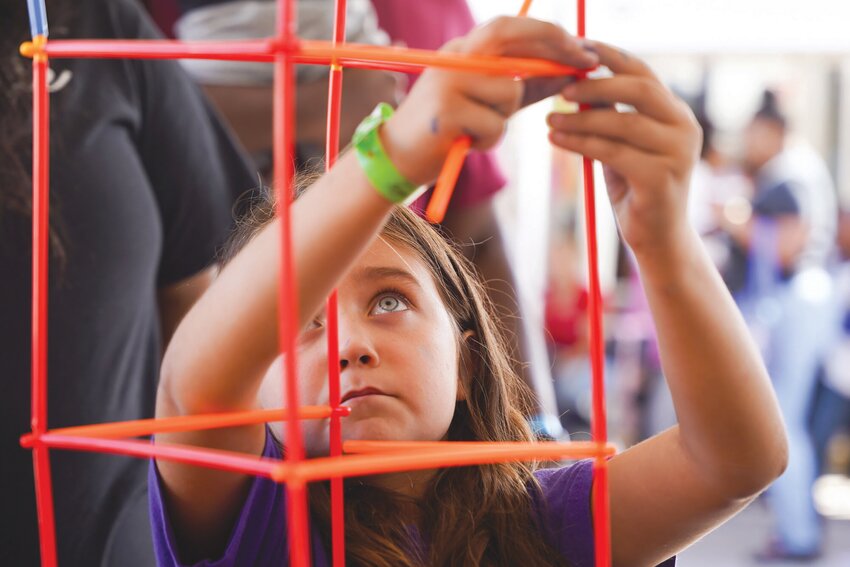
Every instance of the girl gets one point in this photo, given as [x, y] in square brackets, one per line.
[421, 358]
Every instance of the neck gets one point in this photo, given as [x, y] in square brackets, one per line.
[411, 484]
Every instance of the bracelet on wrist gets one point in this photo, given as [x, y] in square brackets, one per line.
[381, 172]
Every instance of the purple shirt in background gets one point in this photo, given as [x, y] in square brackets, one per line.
[259, 538]
[428, 24]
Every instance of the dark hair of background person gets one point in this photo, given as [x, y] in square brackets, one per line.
[770, 110]
[16, 124]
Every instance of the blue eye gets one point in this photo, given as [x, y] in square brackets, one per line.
[389, 303]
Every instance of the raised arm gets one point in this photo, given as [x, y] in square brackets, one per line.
[223, 347]
[730, 443]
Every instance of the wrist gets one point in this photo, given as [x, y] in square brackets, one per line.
[669, 257]
[377, 163]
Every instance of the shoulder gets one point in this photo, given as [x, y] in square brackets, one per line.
[563, 505]
[119, 19]
[258, 536]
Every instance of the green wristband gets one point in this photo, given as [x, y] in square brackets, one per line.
[379, 169]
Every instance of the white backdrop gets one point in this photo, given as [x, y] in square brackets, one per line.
[700, 26]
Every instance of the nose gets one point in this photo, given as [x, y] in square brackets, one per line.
[357, 348]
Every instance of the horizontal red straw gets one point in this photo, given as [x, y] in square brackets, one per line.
[406, 456]
[307, 52]
[209, 458]
[137, 428]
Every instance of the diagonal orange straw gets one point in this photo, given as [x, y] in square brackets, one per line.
[143, 427]
[439, 202]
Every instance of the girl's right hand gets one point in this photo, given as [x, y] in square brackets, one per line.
[445, 105]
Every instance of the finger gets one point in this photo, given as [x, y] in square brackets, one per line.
[630, 162]
[502, 94]
[620, 61]
[626, 127]
[538, 88]
[646, 95]
[527, 37]
[466, 117]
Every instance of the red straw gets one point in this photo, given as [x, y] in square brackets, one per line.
[137, 428]
[40, 254]
[306, 52]
[209, 458]
[284, 125]
[598, 422]
[331, 152]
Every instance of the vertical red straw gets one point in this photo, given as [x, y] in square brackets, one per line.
[40, 232]
[598, 426]
[331, 152]
[284, 126]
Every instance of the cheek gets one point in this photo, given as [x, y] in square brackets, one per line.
[312, 375]
[435, 385]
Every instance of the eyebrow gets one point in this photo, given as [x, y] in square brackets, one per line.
[383, 272]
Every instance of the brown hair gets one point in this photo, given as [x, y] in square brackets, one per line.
[480, 515]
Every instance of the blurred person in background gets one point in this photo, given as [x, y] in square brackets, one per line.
[718, 187]
[143, 178]
[783, 243]
[243, 92]
[831, 411]
[566, 324]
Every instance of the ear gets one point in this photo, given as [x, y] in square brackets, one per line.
[467, 364]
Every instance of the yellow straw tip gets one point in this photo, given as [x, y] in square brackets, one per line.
[34, 48]
[27, 49]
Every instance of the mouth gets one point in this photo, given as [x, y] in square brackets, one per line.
[353, 394]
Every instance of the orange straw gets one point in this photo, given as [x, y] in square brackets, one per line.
[434, 457]
[305, 52]
[142, 427]
[574, 448]
[439, 202]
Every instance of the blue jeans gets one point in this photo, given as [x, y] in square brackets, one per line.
[794, 321]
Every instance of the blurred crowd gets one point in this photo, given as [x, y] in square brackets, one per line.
[770, 219]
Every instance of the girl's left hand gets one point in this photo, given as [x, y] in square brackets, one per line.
[648, 154]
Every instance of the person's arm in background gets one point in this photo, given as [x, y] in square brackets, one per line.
[242, 92]
[248, 108]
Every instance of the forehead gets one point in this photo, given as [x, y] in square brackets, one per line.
[385, 258]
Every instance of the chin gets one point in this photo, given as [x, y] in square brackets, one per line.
[372, 429]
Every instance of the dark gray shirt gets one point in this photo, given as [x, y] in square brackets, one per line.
[143, 178]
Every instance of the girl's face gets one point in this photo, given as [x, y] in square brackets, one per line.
[398, 349]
